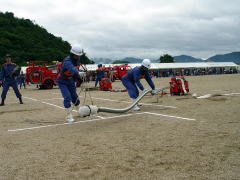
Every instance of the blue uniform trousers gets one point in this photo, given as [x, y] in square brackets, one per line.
[131, 87]
[98, 79]
[6, 85]
[68, 90]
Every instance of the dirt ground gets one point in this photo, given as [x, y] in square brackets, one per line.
[171, 137]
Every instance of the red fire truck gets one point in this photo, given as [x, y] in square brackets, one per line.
[45, 76]
[111, 74]
[42, 75]
[121, 70]
[116, 71]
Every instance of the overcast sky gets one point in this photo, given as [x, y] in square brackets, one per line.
[138, 28]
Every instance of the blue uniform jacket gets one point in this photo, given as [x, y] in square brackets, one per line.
[136, 74]
[69, 69]
[100, 73]
[7, 72]
[21, 78]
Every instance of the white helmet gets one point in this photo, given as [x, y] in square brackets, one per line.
[76, 49]
[146, 63]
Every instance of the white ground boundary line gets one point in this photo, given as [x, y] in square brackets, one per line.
[54, 125]
[105, 118]
[146, 104]
[170, 116]
[52, 99]
[33, 99]
[52, 104]
[91, 120]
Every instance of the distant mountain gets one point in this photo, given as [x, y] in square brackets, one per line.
[109, 61]
[120, 62]
[230, 57]
[182, 59]
[185, 58]
[102, 60]
[132, 60]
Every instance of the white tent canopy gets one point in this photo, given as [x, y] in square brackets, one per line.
[155, 66]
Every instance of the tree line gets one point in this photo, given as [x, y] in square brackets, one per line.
[27, 41]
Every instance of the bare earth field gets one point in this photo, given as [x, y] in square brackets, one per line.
[171, 137]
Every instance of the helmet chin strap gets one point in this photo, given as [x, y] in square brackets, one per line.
[144, 68]
[74, 59]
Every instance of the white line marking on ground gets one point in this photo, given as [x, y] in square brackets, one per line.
[44, 102]
[54, 125]
[103, 118]
[51, 99]
[146, 104]
[53, 105]
[165, 115]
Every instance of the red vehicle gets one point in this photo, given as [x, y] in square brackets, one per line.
[45, 76]
[120, 71]
[111, 74]
[42, 75]
[116, 72]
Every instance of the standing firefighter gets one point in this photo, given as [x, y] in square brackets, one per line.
[132, 80]
[7, 79]
[99, 74]
[21, 80]
[67, 80]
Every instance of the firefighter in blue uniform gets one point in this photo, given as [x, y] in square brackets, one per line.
[21, 80]
[67, 80]
[132, 80]
[99, 74]
[7, 79]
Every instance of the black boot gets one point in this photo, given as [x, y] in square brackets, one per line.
[2, 103]
[20, 100]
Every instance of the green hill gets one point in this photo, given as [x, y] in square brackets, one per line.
[229, 57]
[185, 58]
[27, 41]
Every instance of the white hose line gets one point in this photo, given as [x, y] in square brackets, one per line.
[88, 110]
[111, 110]
[183, 86]
[214, 95]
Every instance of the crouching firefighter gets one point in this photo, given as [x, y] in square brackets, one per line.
[7, 79]
[67, 80]
[131, 80]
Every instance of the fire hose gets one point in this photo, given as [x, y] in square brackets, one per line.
[88, 110]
